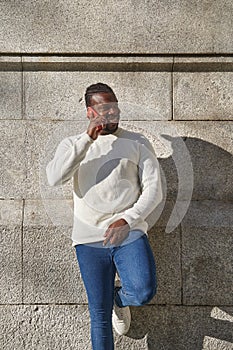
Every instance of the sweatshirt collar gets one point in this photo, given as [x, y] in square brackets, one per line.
[117, 132]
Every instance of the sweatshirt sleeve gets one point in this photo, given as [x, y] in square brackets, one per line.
[151, 187]
[67, 158]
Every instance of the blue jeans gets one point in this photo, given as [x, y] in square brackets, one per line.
[135, 265]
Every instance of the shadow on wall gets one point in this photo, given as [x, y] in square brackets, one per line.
[182, 328]
[198, 171]
[212, 169]
[205, 254]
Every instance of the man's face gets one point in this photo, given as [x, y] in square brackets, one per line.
[105, 104]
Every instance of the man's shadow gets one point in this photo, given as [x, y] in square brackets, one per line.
[170, 323]
[167, 328]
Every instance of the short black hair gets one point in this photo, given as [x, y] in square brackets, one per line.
[95, 89]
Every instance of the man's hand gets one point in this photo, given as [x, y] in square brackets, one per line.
[96, 124]
[117, 232]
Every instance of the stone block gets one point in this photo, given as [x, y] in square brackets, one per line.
[166, 216]
[195, 157]
[11, 213]
[42, 139]
[50, 267]
[49, 212]
[13, 159]
[166, 249]
[51, 272]
[10, 95]
[145, 27]
[203, 96]
[10, 251]
[55, 95]
[207, 262]
[208, 213]
[153, 327]
[186, 328]
[44, 327]
[179, 327]
[48, 281]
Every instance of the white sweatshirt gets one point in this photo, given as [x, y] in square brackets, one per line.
[115, 176]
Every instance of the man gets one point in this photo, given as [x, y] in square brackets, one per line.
[116, 185]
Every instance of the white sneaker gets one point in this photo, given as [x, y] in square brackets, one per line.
[121, 318]
[117, 280]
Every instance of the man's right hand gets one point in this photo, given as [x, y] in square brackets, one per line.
[96, 125]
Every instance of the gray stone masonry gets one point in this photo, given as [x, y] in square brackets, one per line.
[182, 103]
[145, 27]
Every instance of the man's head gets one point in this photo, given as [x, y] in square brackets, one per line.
[101, 98]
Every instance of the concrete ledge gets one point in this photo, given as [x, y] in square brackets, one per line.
[97, 63]
[128, 63]
[11, 63]
[117, 63]
[203, 64]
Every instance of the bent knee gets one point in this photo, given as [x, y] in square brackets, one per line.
[144, 296]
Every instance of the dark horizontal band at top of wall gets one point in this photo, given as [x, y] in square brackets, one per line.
[117, 63]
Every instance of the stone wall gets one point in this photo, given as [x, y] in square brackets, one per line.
[170, 64]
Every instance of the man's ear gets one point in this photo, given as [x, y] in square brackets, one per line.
[89, 112]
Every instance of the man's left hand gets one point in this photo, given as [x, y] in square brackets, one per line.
[117, 232]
